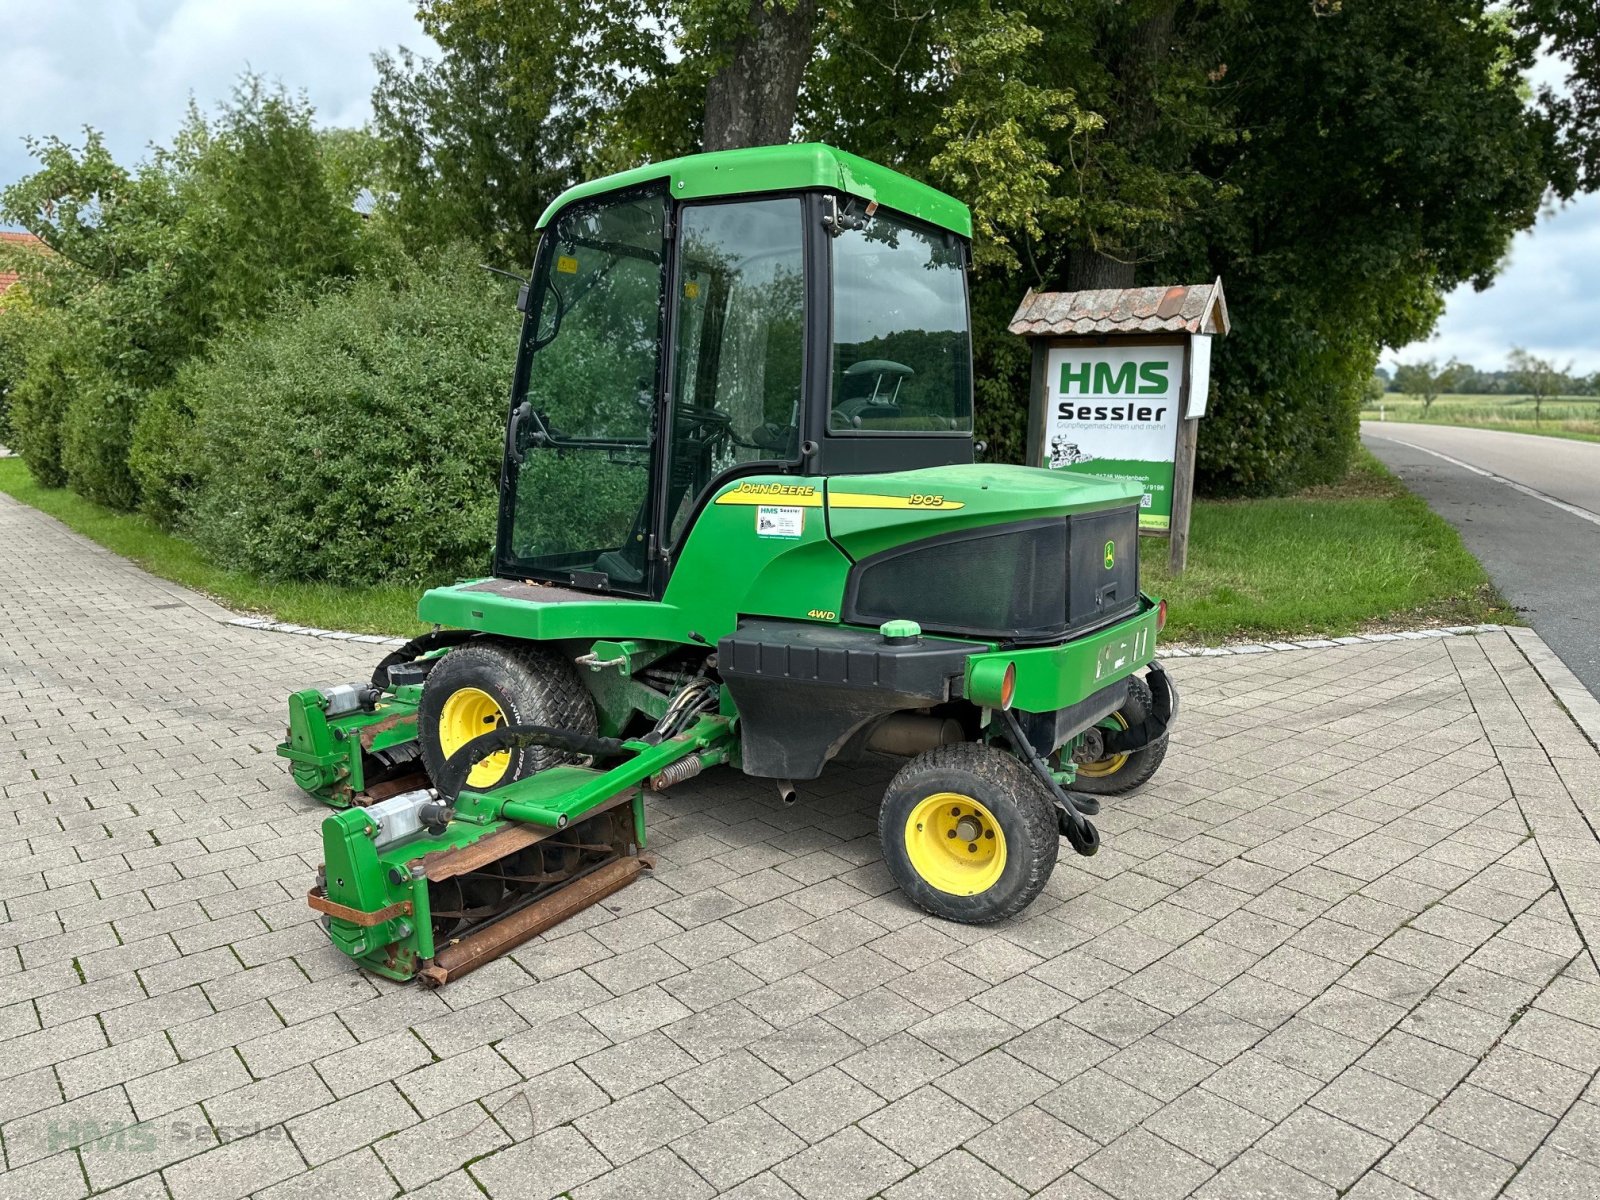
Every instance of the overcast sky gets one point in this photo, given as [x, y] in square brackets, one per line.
[127, 67]
[1544, 300]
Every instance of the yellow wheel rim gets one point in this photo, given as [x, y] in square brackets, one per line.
[469, 713]
[955, 844]
[1106, 766]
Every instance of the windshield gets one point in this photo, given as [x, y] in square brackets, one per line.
[902, 350]
[583, 480]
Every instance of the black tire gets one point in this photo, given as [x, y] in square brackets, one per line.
[1135, 769]
[529, 684]
[1011, 796]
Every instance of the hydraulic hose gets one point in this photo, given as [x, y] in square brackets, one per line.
[518, 737]
[1080, 831]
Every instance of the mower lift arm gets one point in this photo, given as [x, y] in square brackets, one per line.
[710, 740]
[1077, 828]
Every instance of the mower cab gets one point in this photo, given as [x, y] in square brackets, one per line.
[740, 523]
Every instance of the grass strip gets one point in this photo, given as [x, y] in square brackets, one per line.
[1361, 554]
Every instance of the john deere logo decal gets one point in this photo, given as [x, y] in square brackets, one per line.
[1111, 555]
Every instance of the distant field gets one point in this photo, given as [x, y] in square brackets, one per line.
[1571, 416]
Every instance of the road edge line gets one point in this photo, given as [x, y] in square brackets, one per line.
[1575, 510]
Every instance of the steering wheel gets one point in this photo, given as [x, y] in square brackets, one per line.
[703, 420]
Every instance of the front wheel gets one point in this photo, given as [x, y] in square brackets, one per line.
[483, 686]
[968, 833]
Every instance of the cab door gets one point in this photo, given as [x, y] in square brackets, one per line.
[735, 394]
[580, 484]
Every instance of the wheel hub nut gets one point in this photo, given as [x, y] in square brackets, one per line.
[968, 829]
[1093, 748]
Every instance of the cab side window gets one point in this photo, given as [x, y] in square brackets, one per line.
[741, 325]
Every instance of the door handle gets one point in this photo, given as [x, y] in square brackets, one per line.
[514, 431]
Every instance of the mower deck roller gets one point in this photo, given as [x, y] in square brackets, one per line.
[439, 881]
[741, 526]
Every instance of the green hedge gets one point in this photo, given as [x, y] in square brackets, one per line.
[1285, 410]
[162, 455]
[352, 437]
[46, 362]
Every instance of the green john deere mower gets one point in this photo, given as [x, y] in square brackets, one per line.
[741, 525]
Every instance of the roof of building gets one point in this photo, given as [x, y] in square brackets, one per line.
[7, 276]
[783, 169]
[1193, 308]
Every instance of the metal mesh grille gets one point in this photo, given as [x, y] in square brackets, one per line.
[1012, 583]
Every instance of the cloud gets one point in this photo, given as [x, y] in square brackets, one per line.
[1544, 300]
[1539, 300]
[128, 67]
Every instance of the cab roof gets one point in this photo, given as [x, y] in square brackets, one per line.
[782, 169]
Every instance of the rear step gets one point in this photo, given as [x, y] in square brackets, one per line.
[509, 932]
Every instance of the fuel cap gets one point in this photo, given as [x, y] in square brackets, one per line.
[900, 632]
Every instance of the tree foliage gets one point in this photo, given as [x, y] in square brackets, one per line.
[1541, 378]
[146, 265]
[522, 102]
[1390, 157]
[1341, 166]
[1469, 380]
[1426, 379]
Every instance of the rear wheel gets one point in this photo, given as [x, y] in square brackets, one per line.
[482, 686]
[1117, 774]
[968, 833]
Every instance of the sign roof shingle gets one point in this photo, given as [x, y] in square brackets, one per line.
[1193, 308]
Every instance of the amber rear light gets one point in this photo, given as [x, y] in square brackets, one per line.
[1161, 615]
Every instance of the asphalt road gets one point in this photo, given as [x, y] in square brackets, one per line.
[1529, 508]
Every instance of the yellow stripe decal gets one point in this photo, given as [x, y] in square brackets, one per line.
[863, 500]
[793, 495]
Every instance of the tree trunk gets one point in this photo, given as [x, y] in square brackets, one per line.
[1136, 60]
[751, 100]
[1089, 270]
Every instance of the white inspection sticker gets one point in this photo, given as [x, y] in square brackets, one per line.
[780, 522]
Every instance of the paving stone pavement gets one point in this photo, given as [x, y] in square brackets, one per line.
[1338, 946]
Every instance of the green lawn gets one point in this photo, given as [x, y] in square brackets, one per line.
[1329, 561]
[1576, 417]
[390, 610]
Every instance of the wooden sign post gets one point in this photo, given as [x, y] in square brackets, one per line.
[1120, 382]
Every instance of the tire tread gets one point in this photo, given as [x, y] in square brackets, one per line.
[997, 770]
[551, 694]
